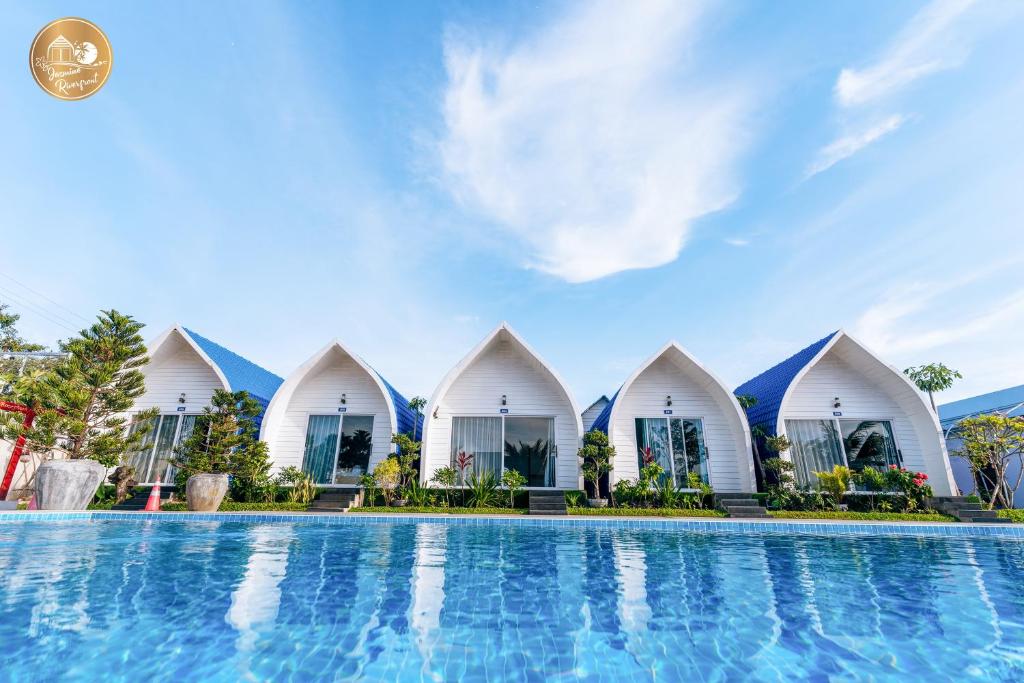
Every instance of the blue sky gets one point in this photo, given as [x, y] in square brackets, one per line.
[743, 177]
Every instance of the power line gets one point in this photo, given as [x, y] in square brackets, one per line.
[32, 308]
[55, 303]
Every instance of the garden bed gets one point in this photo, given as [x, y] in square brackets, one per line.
[645, 512]
[1015, 515]
[408, 509]
[869, 516]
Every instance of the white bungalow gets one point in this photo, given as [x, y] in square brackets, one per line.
[508, 409]
[334, 417]
[686, 416]
[183, 371]
[840, 404]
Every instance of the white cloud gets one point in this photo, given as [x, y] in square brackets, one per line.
[928, 43]
[848, 145]
[592, 141]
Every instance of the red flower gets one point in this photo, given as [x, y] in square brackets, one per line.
[648, 456]
[893, 467]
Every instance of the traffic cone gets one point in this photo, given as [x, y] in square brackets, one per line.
[153, 504]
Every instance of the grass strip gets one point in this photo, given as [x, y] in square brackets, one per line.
[871, 516]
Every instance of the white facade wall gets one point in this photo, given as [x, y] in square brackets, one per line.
[176, 368]
[504, 367]
[869, 389]
[591, 413]
[318, 392]
[693, 396]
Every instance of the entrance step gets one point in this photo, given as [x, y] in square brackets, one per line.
[335, 500]
[742, 505]
[965, 511]
[548, 503]
[140, 496]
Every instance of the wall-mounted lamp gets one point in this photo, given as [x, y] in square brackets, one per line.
[668, 400]
[343, 399]
[504, 400]
[435, 412]
[836, 403]
[181, 397]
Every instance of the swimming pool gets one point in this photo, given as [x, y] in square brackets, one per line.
[146, 599]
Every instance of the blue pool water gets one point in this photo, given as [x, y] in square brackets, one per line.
[385, 601]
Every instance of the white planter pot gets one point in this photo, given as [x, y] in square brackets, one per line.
[597, 502]
[67, 484]
[205, 492]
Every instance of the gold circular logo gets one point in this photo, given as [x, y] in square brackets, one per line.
[70, 58]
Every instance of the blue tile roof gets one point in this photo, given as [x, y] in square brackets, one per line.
[601, 423]
[995, 401]
[770, 386]
[404, 415]
[242, 374]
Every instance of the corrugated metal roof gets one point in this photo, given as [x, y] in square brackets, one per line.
[242, 374]
[770, 386]
[601, 423]
[1005, 400]
[404, 415]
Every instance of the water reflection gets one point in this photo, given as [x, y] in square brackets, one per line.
[438, 602]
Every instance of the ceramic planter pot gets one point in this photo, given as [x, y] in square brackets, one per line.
[399, 503]
[204, 492]
[597, 502]
[67, 484]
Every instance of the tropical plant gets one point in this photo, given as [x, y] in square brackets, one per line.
[912, 485]
[82, 401]
[225, 440]
[416, 404]
[994, 447]
[300, 486]
[596, 458]
[483, 490]
[408, 457]
[695, 501]
[513, 480]
[778, 443]
[369, 484]
[575, 499]
[835, 483]
[387, 476]
[932, 378]
[445, 477]
[871, 480]
[463, 461]
[781, 486]
[417, 495]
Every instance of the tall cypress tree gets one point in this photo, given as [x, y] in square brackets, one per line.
[81, 403]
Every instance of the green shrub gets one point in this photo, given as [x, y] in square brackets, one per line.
[575, 499]
[644, 512]
[232, 506]
[1013, 514]
[880, 516]
[483, 490]
[437, 510]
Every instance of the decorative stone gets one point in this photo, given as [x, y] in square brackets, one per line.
[67, 484]
[206, 491]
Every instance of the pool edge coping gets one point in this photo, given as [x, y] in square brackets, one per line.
[712, 524]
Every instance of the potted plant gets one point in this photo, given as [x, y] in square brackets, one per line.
[224, 442]
[596, 457]
[80, 405]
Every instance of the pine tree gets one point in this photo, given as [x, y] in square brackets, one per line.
[10, 340]
[82, 401]
[225, 440]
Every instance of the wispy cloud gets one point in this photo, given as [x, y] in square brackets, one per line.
[848, 145]
[593, 141]
[927, 44]
[737, 241]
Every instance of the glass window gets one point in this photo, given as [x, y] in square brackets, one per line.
[869, 443]
[816, 448]
[481, 438]
[355, 449]
[140, 459]
[153, 459]
[677, 444]
[321, 447]
[528, 448]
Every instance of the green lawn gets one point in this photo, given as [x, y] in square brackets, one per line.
[644, 512]
[443, 511]
[231, 506]
[873, 516]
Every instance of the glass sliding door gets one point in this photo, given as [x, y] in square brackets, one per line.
[869, 443]
[355, 449]
[481, 438]
[529, 443]
[321, 447]
[154, 457]
[677, 444]
[816, 448]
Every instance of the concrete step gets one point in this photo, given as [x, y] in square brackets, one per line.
[986, 520]
[547, 503]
